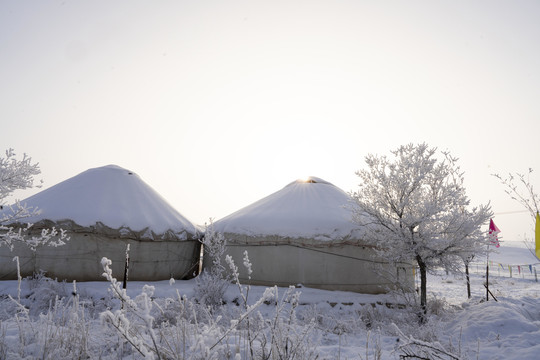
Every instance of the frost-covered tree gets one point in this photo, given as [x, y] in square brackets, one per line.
[413, 208]
[19, 175]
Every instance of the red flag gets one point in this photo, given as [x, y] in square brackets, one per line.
[493, 233]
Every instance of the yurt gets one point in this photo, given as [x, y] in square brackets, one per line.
[304, 234]
[103, 210]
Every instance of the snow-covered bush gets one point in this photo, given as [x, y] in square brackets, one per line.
[135, 323]
[199, 331]
[214, 280]
[43, 292]
[140, 335]
[290, 339]
[58, 331]
[279, 335]
[410, 347]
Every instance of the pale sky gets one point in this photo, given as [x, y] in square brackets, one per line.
[216, 104]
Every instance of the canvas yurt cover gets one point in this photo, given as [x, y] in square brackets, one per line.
[305, 234]
[104, 209]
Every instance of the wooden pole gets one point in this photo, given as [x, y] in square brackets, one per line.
[487, 274]
[126, 268]
[489, 292]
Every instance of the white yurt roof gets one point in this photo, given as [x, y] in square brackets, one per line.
[309, 208]
[110, 195]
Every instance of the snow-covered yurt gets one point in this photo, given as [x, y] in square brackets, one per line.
[103, 210]
[305, 234]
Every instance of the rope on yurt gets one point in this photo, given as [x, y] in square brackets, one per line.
[320, 251]
[339, 255]
[14, 271]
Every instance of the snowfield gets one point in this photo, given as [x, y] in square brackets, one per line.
[65, 321]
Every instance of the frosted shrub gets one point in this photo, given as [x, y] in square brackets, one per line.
[60, 332]
[133, 321]
[438, 306]
[214, 281]
[410, 347]
[373, 317]
[278, 336]
[37, 294]
[43, 292]
[3, 344]
[288, 338]
[196, 332]
[63, 331]
[189, 337]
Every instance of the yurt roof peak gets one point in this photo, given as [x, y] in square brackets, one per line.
[311, 180]
[110, 195]
[306, 208]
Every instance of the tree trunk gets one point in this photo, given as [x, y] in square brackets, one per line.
[468, 280]
[423, 284]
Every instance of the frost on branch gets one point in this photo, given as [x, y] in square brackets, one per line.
[520, 188]
[16, 174]
[50, 237]
[19, 175]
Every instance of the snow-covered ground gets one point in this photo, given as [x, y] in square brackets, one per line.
[324, 324]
